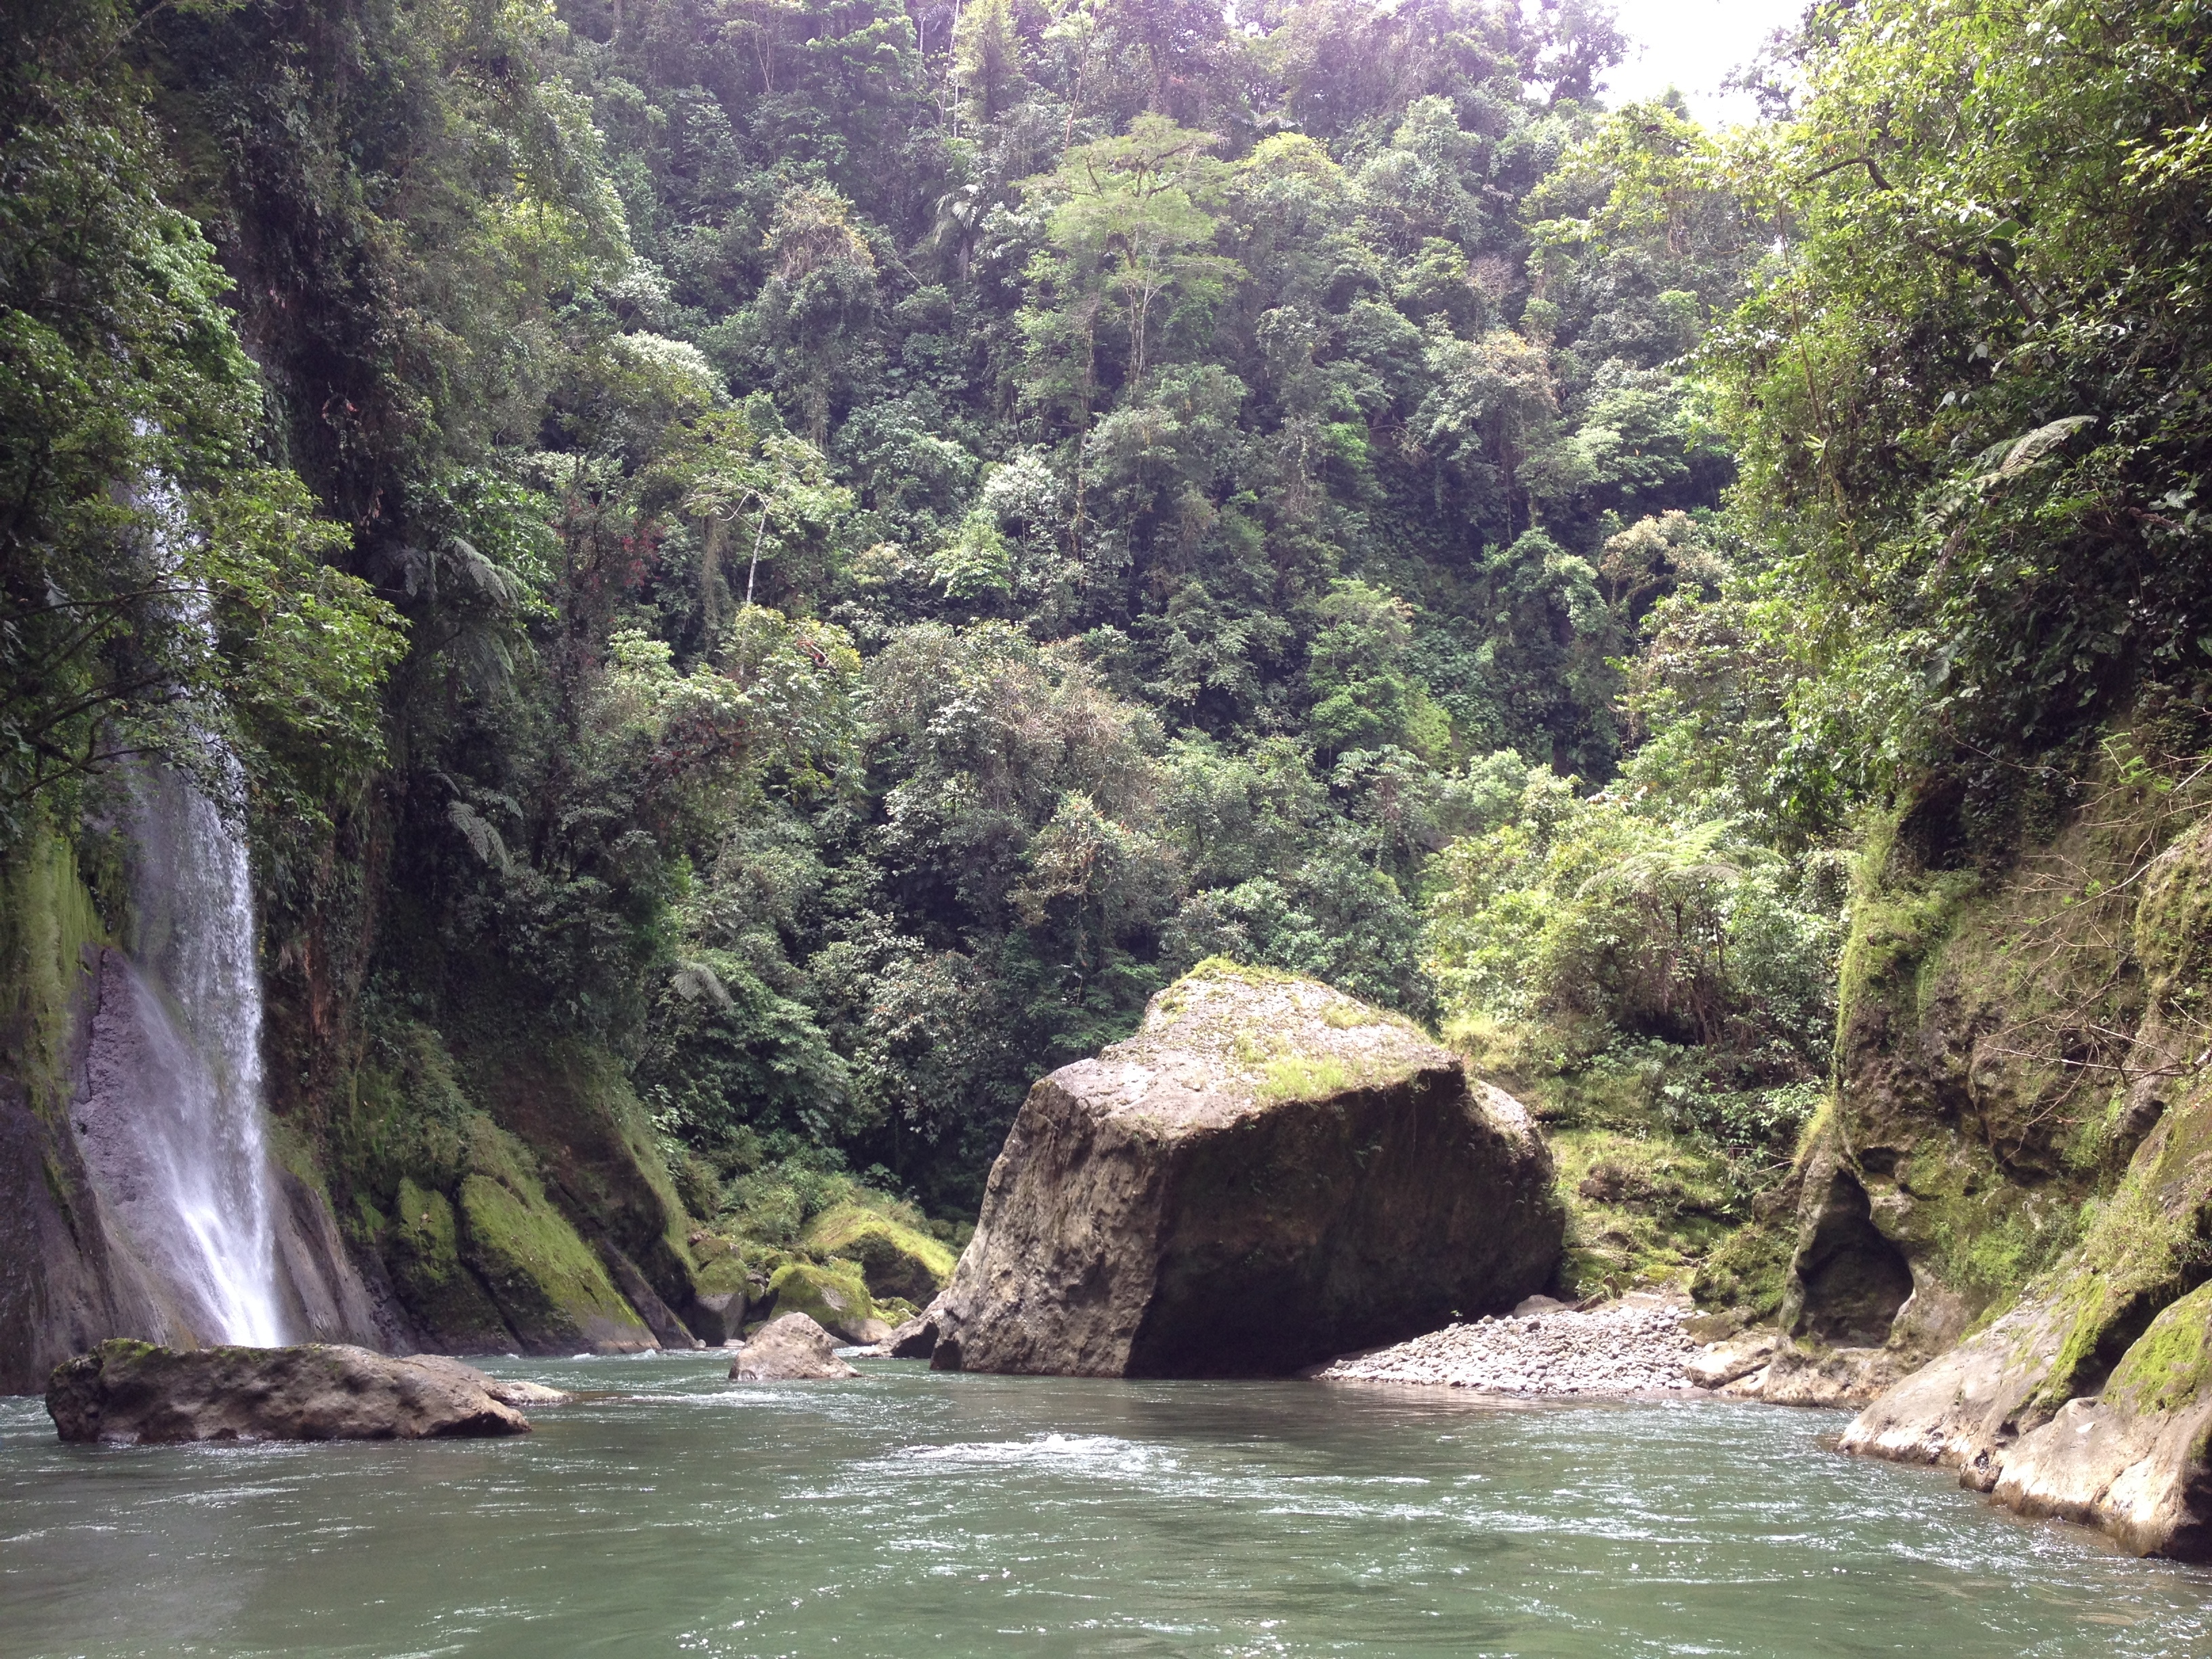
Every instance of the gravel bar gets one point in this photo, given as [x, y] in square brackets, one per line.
[1611, 1350]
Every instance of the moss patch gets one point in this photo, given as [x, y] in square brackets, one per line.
[1642, 1210]
[2170, 1364]
[570, 1103]
[1749, 1270]
[1271, 1036]
[895, 1260]
[721, 1264]
[47, 920]
[546, 1280]
[422, 1249]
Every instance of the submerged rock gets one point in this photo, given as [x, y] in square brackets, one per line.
[1267, 1173]
[134, 1393]
[790, 1348]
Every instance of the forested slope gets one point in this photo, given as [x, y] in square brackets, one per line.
[774, 569]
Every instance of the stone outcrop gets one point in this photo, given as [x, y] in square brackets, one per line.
[1269, 1173]
[1968, 1002]
[1718, 1364]
[916, 1339]
[2130, 1456]
[1799, 1375]
[790, 1348]
[509, 1391]
[132, 1393]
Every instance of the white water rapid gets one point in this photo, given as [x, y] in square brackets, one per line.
[173, 1122]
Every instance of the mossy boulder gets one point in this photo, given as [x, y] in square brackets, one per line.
[554, 1291]
[834, 1296]
[895, 1260]
[723, 1287]
[1268, 1174]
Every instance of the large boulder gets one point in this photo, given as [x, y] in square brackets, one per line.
[792, 1348]
[1269, 1173]
[133, 1393]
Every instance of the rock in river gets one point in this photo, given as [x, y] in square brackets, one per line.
[790, 1349]
[133, 1393]
[1269, 1173]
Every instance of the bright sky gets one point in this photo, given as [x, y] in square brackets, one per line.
[1691, 44]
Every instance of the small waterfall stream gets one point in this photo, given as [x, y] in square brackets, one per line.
[173, 1125]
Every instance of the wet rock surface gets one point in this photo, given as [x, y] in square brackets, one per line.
[916, 1339]
[1269, 1173]
[130, 1393]
[1631, 1347]
[791, 1348]
[1818, 1377]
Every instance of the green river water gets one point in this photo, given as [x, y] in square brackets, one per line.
[914, 1514]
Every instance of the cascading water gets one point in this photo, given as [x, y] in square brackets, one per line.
[170, 1122]
[185, 1161]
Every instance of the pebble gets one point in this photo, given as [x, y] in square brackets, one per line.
[1613, 1349]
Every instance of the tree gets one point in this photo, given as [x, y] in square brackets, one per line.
[160, 587]
[1132, 217]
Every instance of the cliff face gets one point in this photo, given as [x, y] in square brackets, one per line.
[511, 1197]
[2015, 1180]
[79, 1068]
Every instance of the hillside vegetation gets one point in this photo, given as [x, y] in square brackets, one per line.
[773, 568]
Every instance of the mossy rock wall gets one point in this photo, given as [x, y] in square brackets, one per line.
[423, 1250]
[1997, 1024]
[596, 1153]
[554, 1292]
[2024, 1115]
[64, 1284]
[499, 1263]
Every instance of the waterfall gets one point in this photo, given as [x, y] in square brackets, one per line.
[172, 1122]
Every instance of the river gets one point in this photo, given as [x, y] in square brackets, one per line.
[909, 1513]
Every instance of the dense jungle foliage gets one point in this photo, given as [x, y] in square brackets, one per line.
[828, 548]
